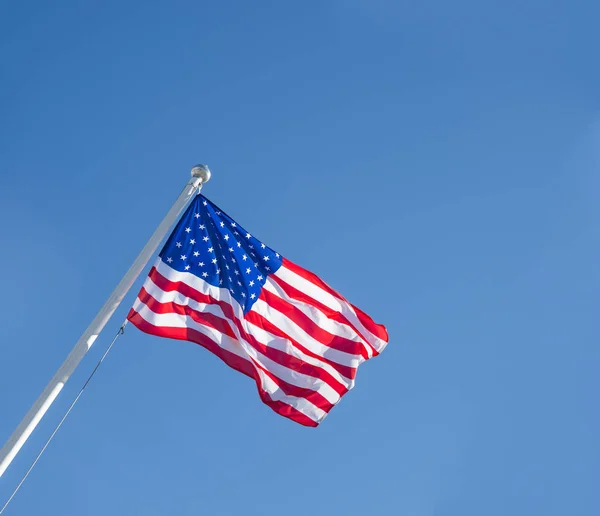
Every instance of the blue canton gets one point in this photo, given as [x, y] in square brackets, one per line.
[211, 245]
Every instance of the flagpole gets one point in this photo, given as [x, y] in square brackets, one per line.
[200, 175]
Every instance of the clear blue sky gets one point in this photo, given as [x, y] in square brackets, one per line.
[437, 162]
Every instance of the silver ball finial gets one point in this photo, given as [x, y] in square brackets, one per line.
[202, 172]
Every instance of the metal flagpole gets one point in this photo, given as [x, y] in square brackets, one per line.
[200, 175]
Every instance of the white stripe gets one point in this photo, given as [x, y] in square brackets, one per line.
[325, 298]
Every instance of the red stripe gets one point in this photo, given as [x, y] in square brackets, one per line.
[276, 355]
[313, 329]
[376, 329]
[231, 359]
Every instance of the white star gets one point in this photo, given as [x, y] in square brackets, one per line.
[233, 259]
[196, 253]
[187, 267]
[205, 274]
[239, 244]
[214, 260]
[202, 226]
[248, 235]
[244, 257]
[230, 278]
[201, 264]
[277, 255]
[178, 244]
[268, 268]
[211, 249]
[218, 213]
[231, 249]
[235, 233]
[248, 271]
[169, 260]
[260, 278]
[236, 272]
[263, 246]
[251, 283]
[197, 215]
[227, 266]
[183, 257]
[192, 241]
[251, 247]
[205, 239]
[187, 230]
[204, 202]
[222, 224]
[233, 224]
[243, 295]
[240, 283]
[252, 296]
[220, 282]
[226, 237]
[266, 258]
[218, 271]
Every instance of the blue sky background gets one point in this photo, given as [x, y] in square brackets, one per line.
[437, 162]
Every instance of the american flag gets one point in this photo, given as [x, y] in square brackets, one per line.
[217, 285]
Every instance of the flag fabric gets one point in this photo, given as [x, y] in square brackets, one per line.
[217, 285]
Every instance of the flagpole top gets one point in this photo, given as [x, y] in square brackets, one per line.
[201, 172]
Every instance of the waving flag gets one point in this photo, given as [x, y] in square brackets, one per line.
[217, 285]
